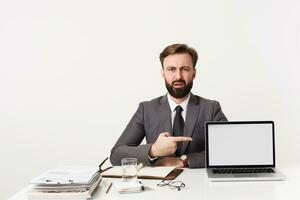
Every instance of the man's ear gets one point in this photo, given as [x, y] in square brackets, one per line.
[194, 75]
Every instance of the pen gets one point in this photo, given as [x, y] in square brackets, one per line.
[109, 187]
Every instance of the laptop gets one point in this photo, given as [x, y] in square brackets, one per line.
[241, 151]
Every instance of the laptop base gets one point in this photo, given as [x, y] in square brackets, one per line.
[277, 176]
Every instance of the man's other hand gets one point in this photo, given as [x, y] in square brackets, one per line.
[170, 161]
[166, 145]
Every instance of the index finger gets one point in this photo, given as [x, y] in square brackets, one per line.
[181, 138]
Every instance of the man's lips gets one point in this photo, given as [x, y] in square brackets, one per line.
[178, 84]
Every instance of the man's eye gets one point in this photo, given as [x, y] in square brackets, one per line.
[171, 69]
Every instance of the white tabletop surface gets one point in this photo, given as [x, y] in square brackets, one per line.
[199, 187]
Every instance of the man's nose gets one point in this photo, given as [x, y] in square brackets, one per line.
[178, 74]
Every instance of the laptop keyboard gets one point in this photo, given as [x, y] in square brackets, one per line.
[243, 170]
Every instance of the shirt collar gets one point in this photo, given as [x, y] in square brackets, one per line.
[182, 104]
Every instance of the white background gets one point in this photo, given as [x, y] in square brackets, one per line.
[73, 72]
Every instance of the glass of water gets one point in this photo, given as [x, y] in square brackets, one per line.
[129, 167]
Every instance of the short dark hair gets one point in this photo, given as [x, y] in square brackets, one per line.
[178, 49]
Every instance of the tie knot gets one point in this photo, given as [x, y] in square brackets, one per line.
[178, 109]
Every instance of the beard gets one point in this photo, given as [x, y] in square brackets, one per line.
[179, 93]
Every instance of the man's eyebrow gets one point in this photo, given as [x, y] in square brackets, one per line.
[181, 67]
[170, 66]
[184, 66]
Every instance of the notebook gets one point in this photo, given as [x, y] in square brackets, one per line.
[166, 173]
[241, 151]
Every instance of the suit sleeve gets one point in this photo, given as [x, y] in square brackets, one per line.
[128, 145]
[197, 159]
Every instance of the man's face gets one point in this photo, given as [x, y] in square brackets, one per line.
[179, 73]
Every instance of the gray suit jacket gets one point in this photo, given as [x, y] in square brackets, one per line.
[154, 117]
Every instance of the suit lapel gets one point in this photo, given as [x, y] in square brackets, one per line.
[190, 120]
[165, 115]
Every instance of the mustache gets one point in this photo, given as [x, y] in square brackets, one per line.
[178, 81]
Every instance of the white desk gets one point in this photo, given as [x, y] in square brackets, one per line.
[198, 187]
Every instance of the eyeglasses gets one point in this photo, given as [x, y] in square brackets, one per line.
[172, 184]
[101, 164]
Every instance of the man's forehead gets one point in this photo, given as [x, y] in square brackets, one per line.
[178, 60]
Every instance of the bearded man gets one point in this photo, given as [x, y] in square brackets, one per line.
[173, 124]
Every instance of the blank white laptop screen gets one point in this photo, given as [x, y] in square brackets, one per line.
[240, 144]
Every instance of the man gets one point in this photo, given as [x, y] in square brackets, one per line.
[173, 124]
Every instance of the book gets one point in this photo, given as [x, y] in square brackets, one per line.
[167, 173]
[66, 182]
[37, 194]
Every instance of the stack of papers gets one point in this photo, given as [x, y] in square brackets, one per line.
[65, 183]
[129, 187]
